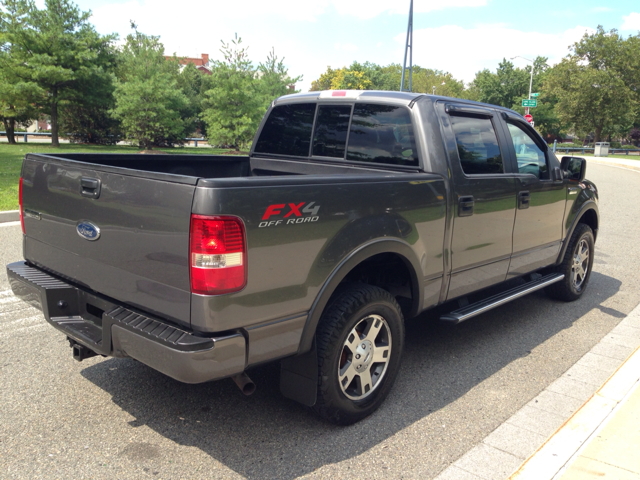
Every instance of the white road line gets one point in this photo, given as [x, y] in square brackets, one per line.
[9, 224]
[10, 325]
[10, 333]
[6, 300]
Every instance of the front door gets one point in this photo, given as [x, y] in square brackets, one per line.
[537, 234]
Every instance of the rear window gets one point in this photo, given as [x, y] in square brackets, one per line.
[287, 131]
[382, 134]
[331, 130]
[368, 133]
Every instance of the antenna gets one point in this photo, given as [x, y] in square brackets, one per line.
[408, 49]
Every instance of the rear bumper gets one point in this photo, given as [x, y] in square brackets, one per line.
[114, 330]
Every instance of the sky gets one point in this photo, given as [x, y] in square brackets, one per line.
[457, 36]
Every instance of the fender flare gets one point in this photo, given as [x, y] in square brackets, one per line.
[384, 245]
[590, 205]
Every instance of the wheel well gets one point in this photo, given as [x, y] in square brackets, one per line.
[390, 272]
[590, 218]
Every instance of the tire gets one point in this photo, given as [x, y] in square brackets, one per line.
[359, 343]
[576, 266]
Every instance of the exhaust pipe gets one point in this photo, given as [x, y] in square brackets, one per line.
[244, 383]
[80, 352]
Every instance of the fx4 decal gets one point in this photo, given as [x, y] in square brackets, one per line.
[291, 213]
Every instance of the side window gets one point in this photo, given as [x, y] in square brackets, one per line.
[332, 126]
[477, 145]
[531, 158]
[287, 131]
[382, 134]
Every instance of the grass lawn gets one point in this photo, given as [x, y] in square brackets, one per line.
[11, 161]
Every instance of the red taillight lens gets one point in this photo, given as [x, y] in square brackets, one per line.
[217, 255]
[21, 212]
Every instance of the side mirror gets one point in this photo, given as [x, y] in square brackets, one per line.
[574, 168]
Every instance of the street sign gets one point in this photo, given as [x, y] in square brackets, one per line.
[528, 118]
[535, 94]
[529, 103]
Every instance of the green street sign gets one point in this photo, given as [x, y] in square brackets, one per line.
[535, 94]
[529, 103]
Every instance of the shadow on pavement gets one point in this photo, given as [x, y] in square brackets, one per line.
[268, 436]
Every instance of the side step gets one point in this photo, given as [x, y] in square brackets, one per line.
[482, 306]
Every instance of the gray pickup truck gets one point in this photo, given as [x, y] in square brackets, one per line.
[353, 211]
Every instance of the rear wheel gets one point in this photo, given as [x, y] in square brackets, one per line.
[359, 340]
[576, 266]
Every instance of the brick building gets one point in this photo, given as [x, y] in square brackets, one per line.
[200, 63]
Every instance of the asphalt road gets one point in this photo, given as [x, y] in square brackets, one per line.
[117, 418]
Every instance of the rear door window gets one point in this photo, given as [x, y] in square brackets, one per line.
[477, 143]
[287, 131]
[382, 134]
[332, 126]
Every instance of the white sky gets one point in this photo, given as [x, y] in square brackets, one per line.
[458, 36]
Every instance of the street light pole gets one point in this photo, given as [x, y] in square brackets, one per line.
[530, 81]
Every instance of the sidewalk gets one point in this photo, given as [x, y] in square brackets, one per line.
[585, 425]
[616, 162]
[601, 439]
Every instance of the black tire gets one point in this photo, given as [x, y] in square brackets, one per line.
[370, 312]
[576, 268]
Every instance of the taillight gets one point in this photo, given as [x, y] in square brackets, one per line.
[21, 212]
[217, 255]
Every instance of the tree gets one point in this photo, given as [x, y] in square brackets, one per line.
[369, 76]
[86, 116]
[597, 86]
[60, 49]
[18, 93]
[233, 106]
[193, 84]
[274, 80]
[149, 103]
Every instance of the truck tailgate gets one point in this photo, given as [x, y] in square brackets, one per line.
[140, 255]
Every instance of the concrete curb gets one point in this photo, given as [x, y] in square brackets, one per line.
[10, 216]
[566, 414]
[620, 163]
[550, 460]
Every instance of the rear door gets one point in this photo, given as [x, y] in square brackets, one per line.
[484, 198]
[112, 231]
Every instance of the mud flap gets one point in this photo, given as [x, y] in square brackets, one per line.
[299, 377]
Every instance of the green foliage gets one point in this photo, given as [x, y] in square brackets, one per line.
[61, 51]
[233, 106]
[193, 84]
[240, 94]
[149, 103]
[597, 86]
[274, 80]
[18, 93]
[369, 76]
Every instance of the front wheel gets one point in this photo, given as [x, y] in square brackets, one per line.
[576, 266]
[359, 340]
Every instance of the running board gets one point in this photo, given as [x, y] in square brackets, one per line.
[482, 306]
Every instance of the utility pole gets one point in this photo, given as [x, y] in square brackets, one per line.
[526, 109]
[408, 48]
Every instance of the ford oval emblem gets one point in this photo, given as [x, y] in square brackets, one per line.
[88, 231]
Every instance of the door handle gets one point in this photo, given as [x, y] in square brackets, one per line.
[524, 198]
[90, 187]
[465, 206]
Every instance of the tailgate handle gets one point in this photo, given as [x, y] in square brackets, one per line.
[90, 187]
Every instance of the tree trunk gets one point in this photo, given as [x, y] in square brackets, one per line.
[10, 128]
[597, 135]
[54, 118]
